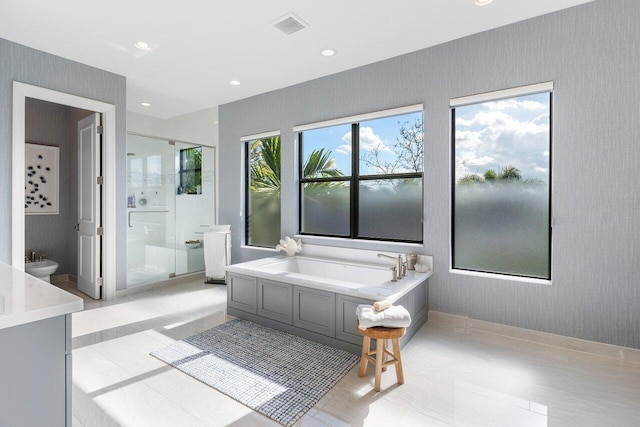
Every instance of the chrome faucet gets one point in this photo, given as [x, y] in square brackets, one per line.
[399, 267]
[33, 256]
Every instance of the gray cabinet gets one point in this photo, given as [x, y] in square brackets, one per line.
[275, 301]
[242, 293]
[314, 310]
[314, 314]
[35, 372]
[419, 301]
[346, 329]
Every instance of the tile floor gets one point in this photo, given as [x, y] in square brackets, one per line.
[452, 378]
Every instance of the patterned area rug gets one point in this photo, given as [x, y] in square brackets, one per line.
[274, 373]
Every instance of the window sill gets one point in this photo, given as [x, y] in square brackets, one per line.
[530, 280]
[354, 243]
[258, 248]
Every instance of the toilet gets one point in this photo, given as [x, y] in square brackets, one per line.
[41, 269]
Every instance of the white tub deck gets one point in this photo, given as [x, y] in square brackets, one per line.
[363, 280]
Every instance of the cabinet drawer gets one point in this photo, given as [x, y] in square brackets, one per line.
[314, 310]
[275, 301]
[241, 293]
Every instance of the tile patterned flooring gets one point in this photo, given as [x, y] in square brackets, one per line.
[451, 377]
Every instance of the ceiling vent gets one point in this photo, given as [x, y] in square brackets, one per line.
[289, 24]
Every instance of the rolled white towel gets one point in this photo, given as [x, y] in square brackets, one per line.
[381, 305]
[394, 317]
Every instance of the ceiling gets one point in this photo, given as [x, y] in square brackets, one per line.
[198, 46]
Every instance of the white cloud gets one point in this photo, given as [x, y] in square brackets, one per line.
[496, 123]
[512, 104]
[368, 141]
[540, 169]
[480, 161]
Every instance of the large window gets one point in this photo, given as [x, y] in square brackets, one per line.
[262, 203]
[501, 219]
[363, 179]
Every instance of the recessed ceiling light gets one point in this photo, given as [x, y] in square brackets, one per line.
[328, 51]
[142, 45]
[145, 104]
[234, 83]
[482, 2]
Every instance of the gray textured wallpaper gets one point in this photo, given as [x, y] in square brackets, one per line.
[591, 54]
[30, 66]
[56, 125]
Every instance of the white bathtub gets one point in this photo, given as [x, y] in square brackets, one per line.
[366, 280]
[358, 274]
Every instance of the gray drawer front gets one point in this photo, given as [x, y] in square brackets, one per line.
[242, 293]
[275, 301]
[314, 310]
[419, 297]
[346, 318]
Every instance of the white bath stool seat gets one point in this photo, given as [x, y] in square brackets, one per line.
[381, 335]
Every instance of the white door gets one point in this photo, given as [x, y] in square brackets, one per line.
[89, 206]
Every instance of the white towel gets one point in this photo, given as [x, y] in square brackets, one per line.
[395, 316]
[215, 254]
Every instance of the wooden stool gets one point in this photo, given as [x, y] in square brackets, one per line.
[381, 335]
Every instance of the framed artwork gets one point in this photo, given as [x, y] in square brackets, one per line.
[41, 181]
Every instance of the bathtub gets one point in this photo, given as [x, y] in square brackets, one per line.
[358, 279]
[316, 298]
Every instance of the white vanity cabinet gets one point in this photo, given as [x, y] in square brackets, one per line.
[35, 351]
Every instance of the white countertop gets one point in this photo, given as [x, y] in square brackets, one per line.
[25, 299]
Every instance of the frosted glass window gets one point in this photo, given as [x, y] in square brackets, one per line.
[263, 192]
[325, 208]
[501, 186]
[391, 209]
[364, 179]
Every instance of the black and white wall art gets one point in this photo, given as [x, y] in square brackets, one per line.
[41, 179]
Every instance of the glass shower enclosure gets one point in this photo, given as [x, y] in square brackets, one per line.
[170, 203]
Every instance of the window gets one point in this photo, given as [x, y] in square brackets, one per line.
[501, 173]
[363, 178]
[262, 197]
[190, 171]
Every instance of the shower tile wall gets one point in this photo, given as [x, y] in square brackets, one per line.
[56, 125]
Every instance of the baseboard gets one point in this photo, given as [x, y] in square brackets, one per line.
[164, 283]
[57, 278]
[466, 324]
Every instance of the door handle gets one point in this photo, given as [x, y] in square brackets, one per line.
[77, 227]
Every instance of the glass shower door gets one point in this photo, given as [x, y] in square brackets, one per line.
[151, 232]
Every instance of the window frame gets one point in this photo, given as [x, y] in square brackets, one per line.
[182, 171]
[246, 140]
[546, 87]
[355, 178]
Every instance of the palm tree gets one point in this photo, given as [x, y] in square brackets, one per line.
[319, 164]
[266, 160]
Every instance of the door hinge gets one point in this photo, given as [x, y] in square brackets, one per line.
[99, 231]
[100, 129]
[100, 180]
[172, 275]
[99, 281]
[172, 143]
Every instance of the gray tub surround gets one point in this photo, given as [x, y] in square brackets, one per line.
[35, 355]
[316, 297]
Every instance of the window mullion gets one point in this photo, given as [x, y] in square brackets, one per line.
[355, 172]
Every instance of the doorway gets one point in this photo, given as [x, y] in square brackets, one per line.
[23, 91]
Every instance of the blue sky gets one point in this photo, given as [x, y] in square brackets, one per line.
[379, 133]
[496, 134]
